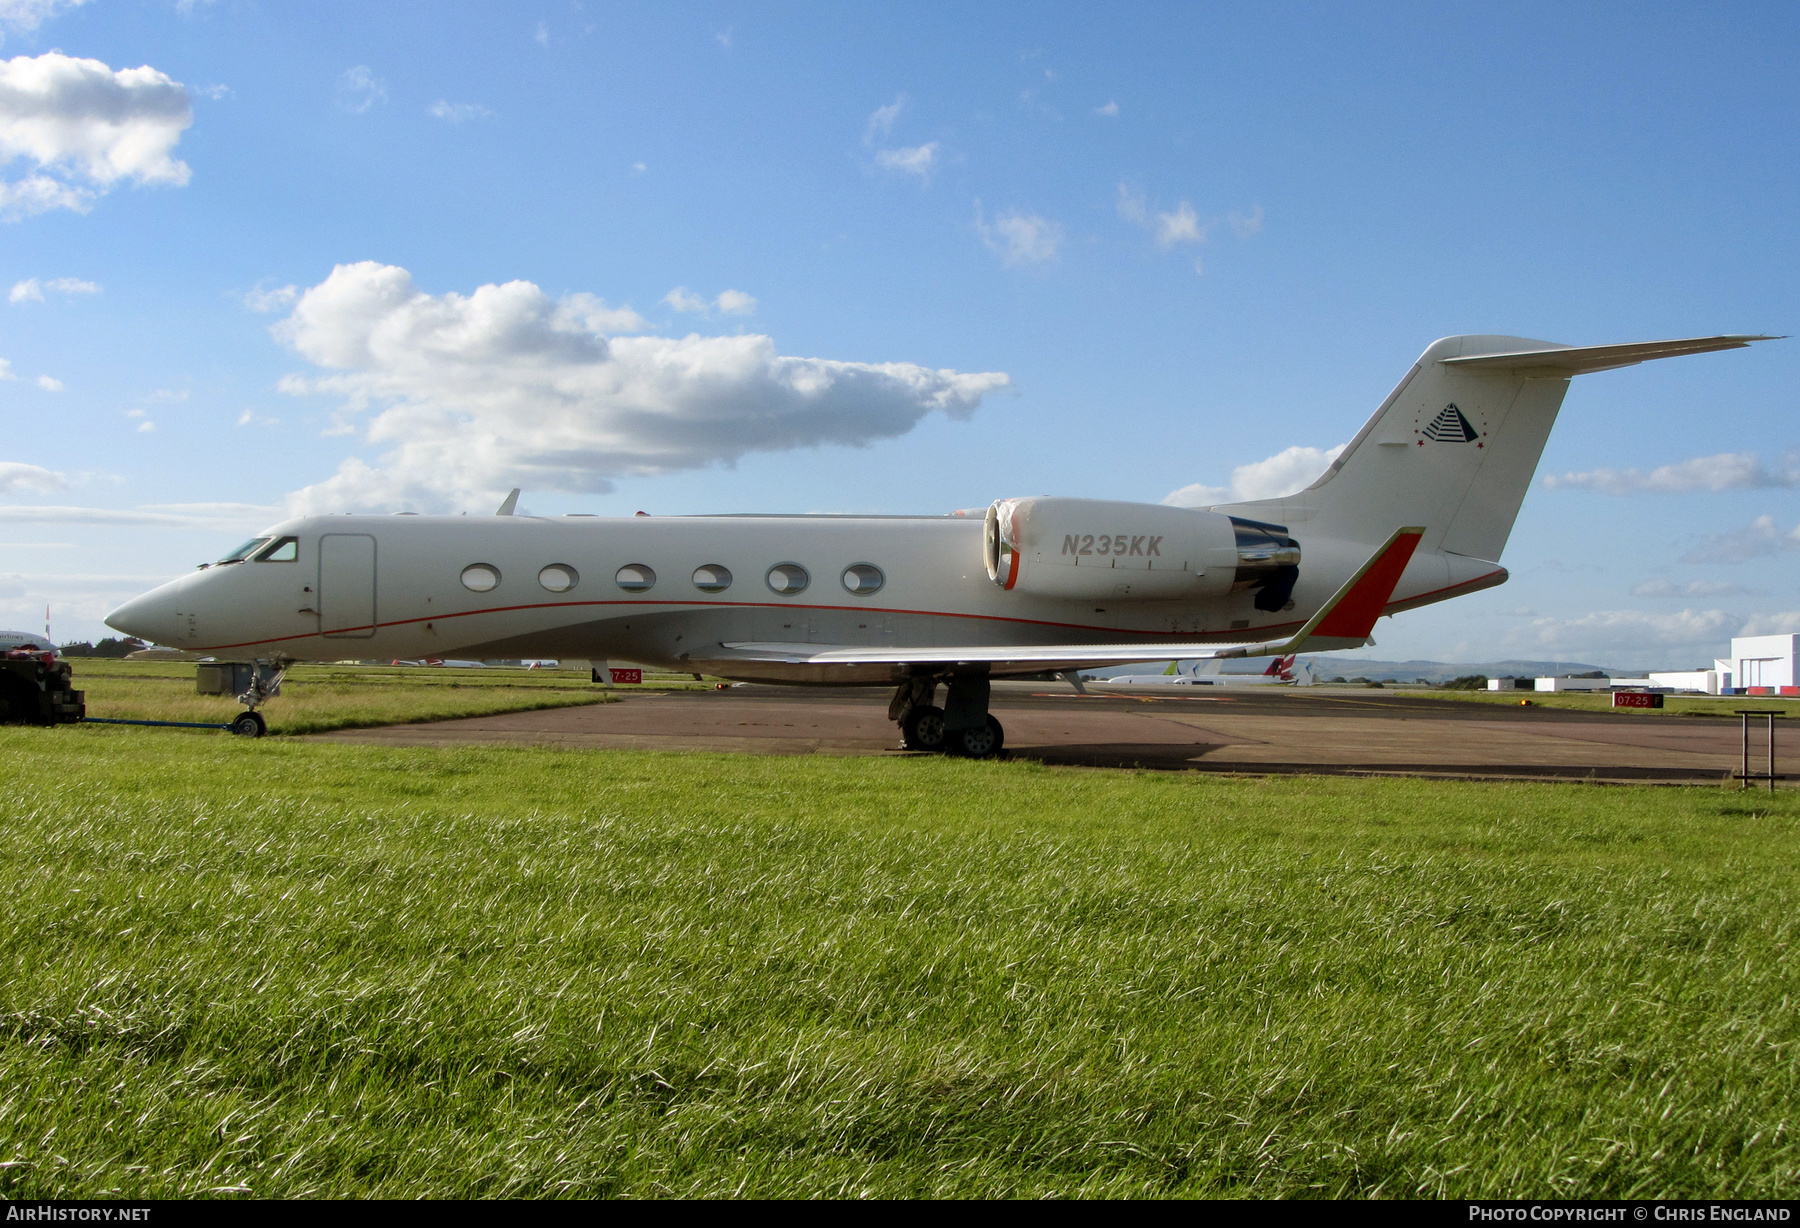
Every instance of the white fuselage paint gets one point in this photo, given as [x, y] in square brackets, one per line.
[936, 592]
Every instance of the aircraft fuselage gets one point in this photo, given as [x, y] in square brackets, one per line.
[665, 590]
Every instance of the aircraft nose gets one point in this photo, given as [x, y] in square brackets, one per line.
[150, 618]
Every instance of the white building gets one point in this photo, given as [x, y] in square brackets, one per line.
[1761, 664]
[1758, 665]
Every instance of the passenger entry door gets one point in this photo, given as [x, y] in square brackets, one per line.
[347, 586]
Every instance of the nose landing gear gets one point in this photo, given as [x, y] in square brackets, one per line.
[265, 684]
[963, 726]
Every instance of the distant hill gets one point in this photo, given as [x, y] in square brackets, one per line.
[1441, 671]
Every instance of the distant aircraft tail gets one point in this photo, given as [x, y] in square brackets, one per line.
[1454, 447]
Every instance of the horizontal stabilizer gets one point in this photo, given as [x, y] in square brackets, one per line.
[1581, 359]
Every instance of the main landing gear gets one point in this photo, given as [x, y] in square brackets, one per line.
[963, 726]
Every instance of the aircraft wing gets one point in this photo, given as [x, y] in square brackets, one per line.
[1343, 622]
[1581, 359]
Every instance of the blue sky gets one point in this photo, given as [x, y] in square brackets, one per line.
[1032, 249]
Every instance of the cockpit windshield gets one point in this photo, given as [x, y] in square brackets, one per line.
[285, 550]
[245, 551]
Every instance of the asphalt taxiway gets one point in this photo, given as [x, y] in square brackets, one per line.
[1246, 730]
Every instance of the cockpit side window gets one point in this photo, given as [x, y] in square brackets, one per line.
[245, 551]
[283, 550]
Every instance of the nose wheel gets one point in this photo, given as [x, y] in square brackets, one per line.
[249, 725]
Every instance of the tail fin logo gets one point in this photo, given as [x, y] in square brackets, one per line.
[1450, 426]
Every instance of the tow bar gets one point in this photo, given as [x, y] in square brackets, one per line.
[247, 725]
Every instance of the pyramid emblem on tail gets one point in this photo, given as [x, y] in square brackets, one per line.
[1451, 427]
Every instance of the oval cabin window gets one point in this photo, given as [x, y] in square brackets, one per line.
[788, 579]
[480, 577]
[635, 578]
[712, 578]
[863, 579]
[558, 578]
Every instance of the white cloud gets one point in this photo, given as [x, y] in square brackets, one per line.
[1694, 588]
[1726, 471]
[145, 428]
[358, 89]
[1244, 225]
[194, 515]
[916, 160]
[881, 120]
[729, 302]
[86, 128]
[6, 371]
[40, 194]
[735, 303]
[251, 418]
[16, 475]
[683, 299]
[1110, 110]
[723, 37]
[1786, 622]
[542, 35]
[27, 15]
[31, 290]
[1181, 226]
[1630, 635]
[639, 168]
[1287, 472]
[1020, 238]
[49, 383]
[458, 112]
[1132, 206]
[508, 387]
[1760, 537]
[261, 298]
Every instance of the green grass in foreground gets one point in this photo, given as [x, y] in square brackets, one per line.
[288, 968]
[315, 698]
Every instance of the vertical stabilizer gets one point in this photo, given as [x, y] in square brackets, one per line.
[1452, 450]
[1454, 447]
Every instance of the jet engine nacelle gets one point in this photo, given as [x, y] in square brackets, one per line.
[1093, 549]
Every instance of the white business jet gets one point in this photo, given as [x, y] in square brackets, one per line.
[1209, 671]
[1416, 510]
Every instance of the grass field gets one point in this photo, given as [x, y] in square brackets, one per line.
[315, 698]
[291, 968]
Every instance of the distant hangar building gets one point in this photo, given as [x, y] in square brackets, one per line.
[1758, 665]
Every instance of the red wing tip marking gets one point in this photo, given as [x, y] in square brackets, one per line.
[1355, 613]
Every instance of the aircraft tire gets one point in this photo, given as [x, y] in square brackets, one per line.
[982, 742]
[923, 729]
[250, 725]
